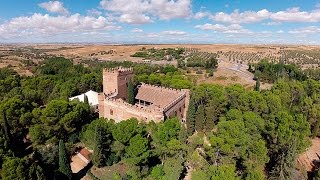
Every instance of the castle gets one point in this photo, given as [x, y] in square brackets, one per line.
[152, 103]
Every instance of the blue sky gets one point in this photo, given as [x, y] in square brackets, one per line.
[161, 21]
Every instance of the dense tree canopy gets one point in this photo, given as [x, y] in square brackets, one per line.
[231, 132]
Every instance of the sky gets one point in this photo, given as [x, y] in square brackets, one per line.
[161, 21]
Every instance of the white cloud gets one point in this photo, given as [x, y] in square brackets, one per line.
[271, 23]
[141, 11]
[137, 30]
[174, 33]
[135, 19]
[241, 17]
[201, 14]
[54, 7]
[306, 30]
[94, 12]
[46, 25]
[280, 31]
[295, 15]
[229, 29]
[289, 15]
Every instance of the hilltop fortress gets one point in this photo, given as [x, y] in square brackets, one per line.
[151, 102]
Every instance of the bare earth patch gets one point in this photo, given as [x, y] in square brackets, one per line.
[310, 159]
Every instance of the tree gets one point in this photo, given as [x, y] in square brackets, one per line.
[14, 168]
[131, 94]
[191, 117]
[124, 130]
[173, 167]
[200, 119]
[90, 131]
[223, 172]
[64, 161]
[6, 128]
[199, 175]
[86, 100]
[137, 146]
[137, 150]
[36, 172]
[99, 151]
[257, 88]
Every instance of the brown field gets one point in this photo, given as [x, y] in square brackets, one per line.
[233, 59]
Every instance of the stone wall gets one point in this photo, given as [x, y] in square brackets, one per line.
[116, 80]
[112, 103]
[119, 110]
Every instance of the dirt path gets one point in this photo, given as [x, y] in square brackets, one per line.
[311, 157]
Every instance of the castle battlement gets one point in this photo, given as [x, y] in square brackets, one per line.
[163, 88]
[122, 103]
[118, 70]
[154, 102]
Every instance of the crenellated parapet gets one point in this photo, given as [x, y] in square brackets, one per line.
[118, 70]
[164, 88]
[153, 102]
[120, 102]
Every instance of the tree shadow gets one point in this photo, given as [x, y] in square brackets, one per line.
[82, 172]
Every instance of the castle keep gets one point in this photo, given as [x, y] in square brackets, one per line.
[151, 102]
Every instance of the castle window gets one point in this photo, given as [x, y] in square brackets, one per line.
[111, 112]
[180, 109]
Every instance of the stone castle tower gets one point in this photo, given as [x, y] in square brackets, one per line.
[115, 81]
[152, 103]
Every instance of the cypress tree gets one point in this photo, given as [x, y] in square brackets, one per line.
[131, 97]
[86, 100]
[257, 88]
[64, 162]
[191, 117]
[316, 129]
[98, 157]
[6, 128]
[200, 119]
[210, 118]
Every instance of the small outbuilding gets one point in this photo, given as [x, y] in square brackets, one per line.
[92, 98]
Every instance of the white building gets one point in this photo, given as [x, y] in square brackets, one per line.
[92, 98]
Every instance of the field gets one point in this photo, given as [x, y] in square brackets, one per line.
[233, 59]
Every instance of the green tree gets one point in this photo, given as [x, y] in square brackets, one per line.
[6, 128]
[131, 93]
[191, 115]
[86, 100]
[157, 172]
[64, 161]
[199, 175]
[223, 172]
[101, 150]
[257, 87]
[98, 157]
[36, 172]
[89, 131]
[137, 150]
[173, 167]
[200, 118]
[124, 130]
[14, 168]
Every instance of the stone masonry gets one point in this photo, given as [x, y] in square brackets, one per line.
[152, 103]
